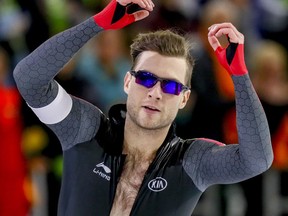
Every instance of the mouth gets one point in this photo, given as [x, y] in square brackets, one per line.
[151, 108]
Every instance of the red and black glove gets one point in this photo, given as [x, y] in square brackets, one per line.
[116, 16]
[232, 58]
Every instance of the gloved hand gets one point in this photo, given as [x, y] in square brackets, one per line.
[120, 13]
[231, 57]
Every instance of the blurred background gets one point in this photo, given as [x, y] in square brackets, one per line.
[30, 155]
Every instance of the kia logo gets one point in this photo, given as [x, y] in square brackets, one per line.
[158, 184]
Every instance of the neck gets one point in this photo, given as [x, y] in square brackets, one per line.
[141, 140]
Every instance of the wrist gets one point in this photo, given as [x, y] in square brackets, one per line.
[232, 59]
[238, 66]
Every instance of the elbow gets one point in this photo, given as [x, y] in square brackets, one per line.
[268, 153]
[21, 75]
[262, 160]
[21, 79]
[17, 73]
[270, 158]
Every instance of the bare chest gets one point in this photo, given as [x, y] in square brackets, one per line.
[128, 187]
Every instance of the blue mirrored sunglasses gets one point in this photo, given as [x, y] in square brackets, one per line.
[149, 80]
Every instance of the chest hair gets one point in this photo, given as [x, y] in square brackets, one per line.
[131, 179]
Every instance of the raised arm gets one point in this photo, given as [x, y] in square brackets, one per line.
[209, 163]
[34, 75]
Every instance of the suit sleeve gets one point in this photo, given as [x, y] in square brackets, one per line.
[67, 116]
[208, 163]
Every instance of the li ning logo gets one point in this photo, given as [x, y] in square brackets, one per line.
[158, 184]
[99, 171]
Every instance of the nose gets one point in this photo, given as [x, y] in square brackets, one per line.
[155, 91]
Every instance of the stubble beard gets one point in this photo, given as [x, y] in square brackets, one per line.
[146, 124]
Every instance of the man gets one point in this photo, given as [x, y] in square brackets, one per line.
[132, 163]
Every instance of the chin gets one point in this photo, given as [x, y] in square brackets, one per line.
[152, 125]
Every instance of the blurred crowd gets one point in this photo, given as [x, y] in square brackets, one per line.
[30, 155]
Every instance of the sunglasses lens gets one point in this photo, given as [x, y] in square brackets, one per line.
[145, 79]
[171, 87]
[148, 80]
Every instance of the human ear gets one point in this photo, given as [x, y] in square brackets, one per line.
[127, 80]
[185, 98]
